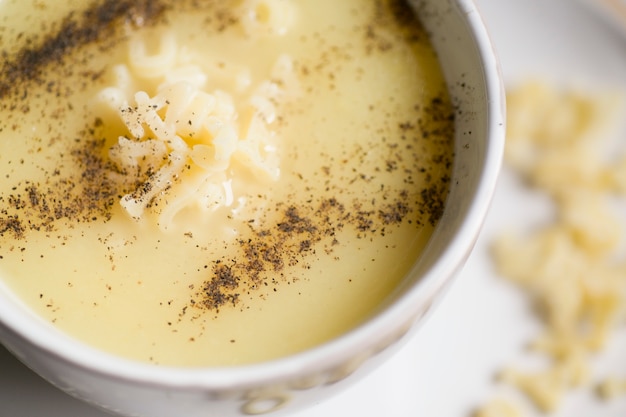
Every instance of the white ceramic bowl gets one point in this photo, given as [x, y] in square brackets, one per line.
[282, 386]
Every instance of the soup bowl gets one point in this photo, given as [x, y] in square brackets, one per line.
[291, 383]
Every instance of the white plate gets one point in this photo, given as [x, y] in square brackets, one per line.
[447, 368]
[613, 11]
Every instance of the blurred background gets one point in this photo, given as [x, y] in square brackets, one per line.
[485, 323]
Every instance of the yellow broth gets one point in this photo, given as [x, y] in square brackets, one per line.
[365, 154]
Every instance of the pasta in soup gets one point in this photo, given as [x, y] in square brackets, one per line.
[218, 182]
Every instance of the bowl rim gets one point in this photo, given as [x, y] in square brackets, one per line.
[340, 349]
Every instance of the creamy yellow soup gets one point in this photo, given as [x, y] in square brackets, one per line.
[218, 182]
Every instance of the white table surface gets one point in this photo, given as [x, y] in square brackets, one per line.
[447, 368]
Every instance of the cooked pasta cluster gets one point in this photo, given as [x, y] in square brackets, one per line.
[184, 136]
[269, 17]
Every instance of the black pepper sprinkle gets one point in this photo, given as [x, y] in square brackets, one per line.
[99, 22]
[39, 206]
[290, 242]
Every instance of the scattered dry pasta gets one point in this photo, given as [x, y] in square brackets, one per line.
[612, 387]
[498, 408]
[573, 268]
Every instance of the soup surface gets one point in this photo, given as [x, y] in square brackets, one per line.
[219, 182]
